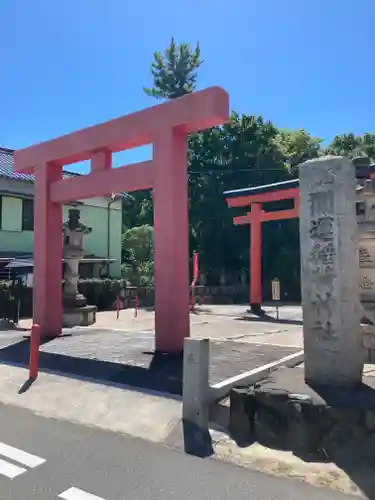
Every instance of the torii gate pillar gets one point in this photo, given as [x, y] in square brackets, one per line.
[47, 301]
[166, 126]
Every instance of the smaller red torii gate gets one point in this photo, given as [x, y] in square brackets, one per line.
[255, 198]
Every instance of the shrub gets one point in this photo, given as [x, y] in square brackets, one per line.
[101, 293]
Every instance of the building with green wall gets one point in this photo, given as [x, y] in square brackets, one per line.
[102, 247]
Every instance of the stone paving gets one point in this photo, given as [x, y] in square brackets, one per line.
[121, 351]
[228, 358]
[127, 358]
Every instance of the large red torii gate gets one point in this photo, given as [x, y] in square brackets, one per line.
[255, 198]
[166, 126]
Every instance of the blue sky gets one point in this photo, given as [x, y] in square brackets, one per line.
[69, 64]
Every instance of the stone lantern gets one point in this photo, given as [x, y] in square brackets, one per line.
[75, 310]
[365, 210]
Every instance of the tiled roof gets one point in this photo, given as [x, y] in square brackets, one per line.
[6, 168]
[276, 186]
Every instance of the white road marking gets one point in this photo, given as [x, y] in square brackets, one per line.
[10, 470]
[20, 456]
[76, 494]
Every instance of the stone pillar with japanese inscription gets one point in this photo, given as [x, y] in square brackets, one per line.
[329, 272]
[365, 209]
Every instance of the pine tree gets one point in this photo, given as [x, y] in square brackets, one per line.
[175, 72]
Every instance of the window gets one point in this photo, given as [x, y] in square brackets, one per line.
[27, 215]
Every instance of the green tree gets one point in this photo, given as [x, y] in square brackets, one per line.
[297, 146]
[348, 145]
[138, 255]
[240, 154]
[248, 151]
[174, 73]
[138, 211]
[352, 145]
[368, 145]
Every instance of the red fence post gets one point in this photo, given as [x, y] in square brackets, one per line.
[195, 279]
[118, 306]
[34, 351]
[136, 306]
[192, 305]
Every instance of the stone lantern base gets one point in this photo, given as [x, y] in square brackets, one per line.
[79, 316]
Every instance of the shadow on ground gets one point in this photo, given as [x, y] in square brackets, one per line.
[10, 326]
[266, 318]
[164, 373]
[127, 358]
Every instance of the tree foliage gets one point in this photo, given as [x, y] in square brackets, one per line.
[247, 151]
[138, 255]
[352, 145]
[297, 146]
[175, 73]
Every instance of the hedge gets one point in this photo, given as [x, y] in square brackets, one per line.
[103, 294]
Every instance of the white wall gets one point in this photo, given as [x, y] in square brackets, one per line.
[94, 213]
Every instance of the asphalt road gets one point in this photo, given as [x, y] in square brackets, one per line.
[74, 462]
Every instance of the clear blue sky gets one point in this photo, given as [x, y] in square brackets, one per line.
[68, 64]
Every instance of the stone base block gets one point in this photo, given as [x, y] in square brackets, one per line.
[368, 333]
[327, 423]
[369, 356]
[369, 340]
[80, 316]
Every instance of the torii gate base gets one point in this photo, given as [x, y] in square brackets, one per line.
[166, 126]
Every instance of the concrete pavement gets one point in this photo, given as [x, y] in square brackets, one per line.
[121, 351]
[240, 342]
[219, 322]
[153, 417]
[123, 410]
[50, 459]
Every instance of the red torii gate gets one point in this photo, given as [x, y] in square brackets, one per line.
[255, 198]
[166, 126]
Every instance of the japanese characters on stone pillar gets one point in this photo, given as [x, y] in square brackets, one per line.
[329, 272]
[365, 210]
